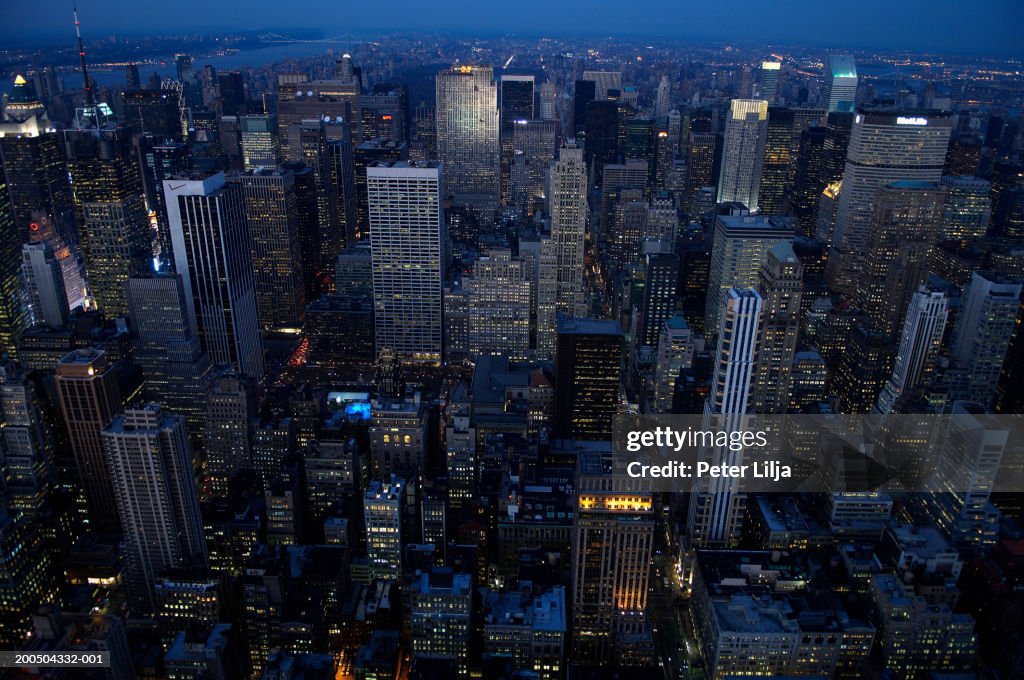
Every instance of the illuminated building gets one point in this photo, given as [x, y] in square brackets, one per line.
[618, 178]
[14, 317]
[226, 438]
[25, 577]
[968, 208]
[613, 540]
[383, 510]
[340, 331]
[270, 208]
[160, 160]
[864, 366]
[885, 146]
[153, 111]
[700, 166]
[527, 628]
[920, 342]
[198, 653]
[334, 99]
[548, 101]
[315, 196]
[261, 147]
[407, 243]
[839, 92]
[778, 159]
[442, 608]
[533, 152]
[53, 631]
[499, 306]
[27, 439]
[515, 106]
[716, 507]
[460, 453]
[768, 87]
[87, 391]
[187, 600]
[398, 434]
[740, 246]
[151, 468]
[567, 199]
[743, 149]
[213, 254]
[588, 376]
[364, 155]
[467, 121]
[780, 283]
[341, 177]
[675, 353]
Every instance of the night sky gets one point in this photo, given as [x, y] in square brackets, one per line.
[952, 26]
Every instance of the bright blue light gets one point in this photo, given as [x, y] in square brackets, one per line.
[358, 410]
[156, 264]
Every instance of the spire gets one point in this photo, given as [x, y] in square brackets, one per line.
[90, 101]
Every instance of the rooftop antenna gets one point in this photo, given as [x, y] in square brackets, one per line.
[88, 112]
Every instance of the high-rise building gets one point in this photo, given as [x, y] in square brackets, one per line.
[700, 165]
[533, 152]
[661, 282]
[604, 82]
[213, 253]
[919, 347]
[383, 511]
[151, 468]
[89, 398]
[153, 111]
[864, 366]
[341, 177]
[467, 135]
[885, 146]
[717, 508]
[588, 376]
[778, 159]
[663, 99]
[968, 208]
[231, 88]
[363, 156]
[768, 85]
[29, 447]
[612, 544]
[548, 101]
[988, 316]
[904, 227]
[675, 353]
[810, 177]
[839, 92]
[516, 104]
[270, 207]
[227, 439]
[746, 132]
[738, 250]
[442, 606]
[160, 160]
[28, 582]
[14, 318]
[112, 215]
[261, 147]
[780, 283]
[499, 306]
[407, 245]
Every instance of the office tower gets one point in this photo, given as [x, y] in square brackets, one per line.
[88, 394]
[675, 354]
[700, 165]
[233, 100]
[316, 198]
[548, 102]
[27, 582]
[780, 283]
[230, 140]
[588, 376]
[384, 112]
[618, 178]
[261, 147]
[778, 160]
[112, 216]
[363, 156]
[612, 543]
[160, 160]
[885, 146]
[467, 135]
[14, 317]
[383, 508]
[527, 627]
[988, 315]
[499, 306]
[739, 247]
[768, 87]
[663, 99]
[424, 140]
[230, 407]
[919, 347]
[212, 252]
[151, 467]
[603, 82]
[407, 241]
[716, 507]
[456, 323]
[810, 178]
[968, 208]
[541, 260]
[533, 152]
[601, 136]
[904, 227]
[176, 370]
[29, 448]
[442, 606]
[638, 140]
[516, 104]
[335, 100]
[341, 177]
[153, 111]
[584, 92]
[308, 203]
[839, 92]
[626, 228]
[864, 366]
[567, 198]
[663, 220]
[271, 209]
[746, 131]
[661, 282]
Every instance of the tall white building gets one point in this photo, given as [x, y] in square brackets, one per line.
[213, 253]
[746, 131]
[44, 282]
[839, 92]
[499, 306]
[885, 147]
[466, 115]
[919, 345]
[567, 199]
[150, 461]
[407, 241]
[382, 512]
[716, 506]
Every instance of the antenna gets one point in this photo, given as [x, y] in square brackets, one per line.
[90, 101]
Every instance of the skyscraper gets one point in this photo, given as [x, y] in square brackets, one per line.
[383, 507]
[230, 408]
[89, 398]
[778, 159]
[516, 105]
[716, 507]
[675, 353]
[839, 93]
[151, 468]
[768, 87]
[700, 165]
[885, 146]
[919, 347]
[588, 376]
[261, 147]
[746, 131]
[533, 152]
[780, 283]
[407, 242]
[271, 209]
[212, 252]
[467, 135]
[968, 207]
[499, 306]
[29, 462]
[13, 315]
[661, 281]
